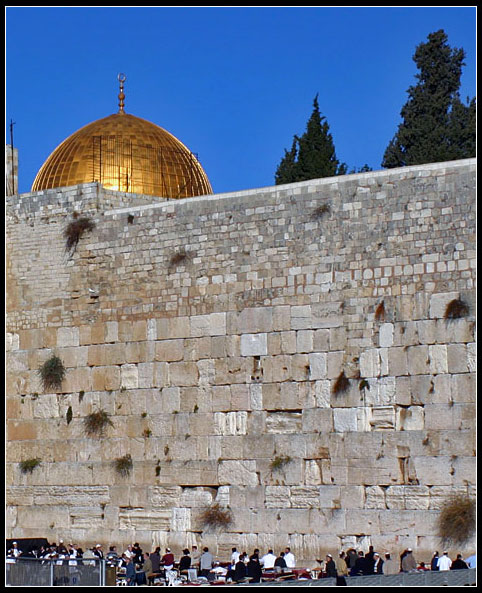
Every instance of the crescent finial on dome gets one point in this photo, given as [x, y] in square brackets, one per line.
[121, 78]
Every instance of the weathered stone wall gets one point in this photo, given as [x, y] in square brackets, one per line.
[214, 333]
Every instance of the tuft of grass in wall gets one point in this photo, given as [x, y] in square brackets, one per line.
[320, 211]
[52, 373]
[130, 218]
[69, 415]
[147, 433]
[215, 516]
[279, 462]
[144, 415]
[457, 520]
[380, 312]
[178, 258]
[123, 465]
[158, 468]
[81, 395]
[27, 466]
[96, 422]
[341, 385]
[74, 231]
[364, 385]
[456, 309]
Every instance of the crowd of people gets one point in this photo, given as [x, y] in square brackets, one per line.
[138, 567]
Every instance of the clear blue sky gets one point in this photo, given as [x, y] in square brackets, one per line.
[235, 84]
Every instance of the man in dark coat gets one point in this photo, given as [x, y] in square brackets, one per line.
[360, 567]
[254, 569]
[458, 563]
[330, 566]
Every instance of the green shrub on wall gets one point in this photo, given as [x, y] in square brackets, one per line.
[52, 373]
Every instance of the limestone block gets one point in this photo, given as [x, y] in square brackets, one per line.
[288, 342]
[318, 420]
[438, 359]
[352, 497]
[284, 422]
[46, 406]
[238, 472]
[168, 402]
[129, 376]
[462, 387]
[326, 315]
[254, 344]
[318, 365]
[433, 471]
[305, 497]
[183, 374]
[375, 498]
[277, 497]
[439, 302]
[139, 518]
[439, 417]
[472, 357]
[382, 418]
[418, 360]
[111, 331]
[181, 519]
[364, 521]
[146, 374]
[152, 329]
[169, 350]
[12, 342]
[213, 324]
[281, 318]
[345, 419]
[334, 364]
[112, 354]
[67, 336]
[304, 341]
[240, 397]
[255, 320]
[370, 363]
[170, 328]
[256, 397]
[323, 394]
[386, 335]
[457, 361]
[221, 398]
[401, 497]
[312, 472]
[397, 362]
[77, 380]
[231, 423]
[439, 495]
[412, 418]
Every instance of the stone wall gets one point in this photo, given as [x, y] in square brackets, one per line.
[215, 334]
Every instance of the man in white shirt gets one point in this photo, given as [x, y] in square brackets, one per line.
[444, 562]
[268, 560]
[289, 558]
[234, 556]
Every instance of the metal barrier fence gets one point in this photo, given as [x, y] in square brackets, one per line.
[449, 578]
[39, 572]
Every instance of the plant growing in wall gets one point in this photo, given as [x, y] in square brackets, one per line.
[456, 309]
[341, 385]
[279, 462]
[457, 520]
[74, 231]
[27, 466]
[123, 465]
[68, 415]
[320, 211]
[52, 373]
[215, 516]
[96, 422]
[178, 258]
[380, 312]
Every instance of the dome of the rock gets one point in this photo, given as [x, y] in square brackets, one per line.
[125, 153]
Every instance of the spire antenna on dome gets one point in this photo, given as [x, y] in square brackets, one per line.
[121, 78]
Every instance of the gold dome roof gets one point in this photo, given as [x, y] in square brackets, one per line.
[125, 153]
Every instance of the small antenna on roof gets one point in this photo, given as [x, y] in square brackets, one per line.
[121, 78]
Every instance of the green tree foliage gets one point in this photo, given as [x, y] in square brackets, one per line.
[312, 155]
[436, 125]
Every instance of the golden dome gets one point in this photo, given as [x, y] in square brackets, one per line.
[125, 153]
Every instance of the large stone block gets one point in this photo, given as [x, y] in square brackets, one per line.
[240, 473]
[254, 344]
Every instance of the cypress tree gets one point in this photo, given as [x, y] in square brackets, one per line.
[436, 125]
[312, 155]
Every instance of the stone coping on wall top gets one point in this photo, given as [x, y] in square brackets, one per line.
[407, 171]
